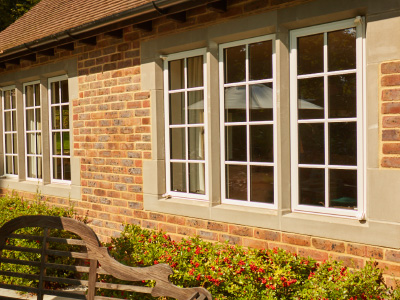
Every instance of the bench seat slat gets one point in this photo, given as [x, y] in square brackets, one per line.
[66, 241]
[20, 275]
[124, 287]
[20, 262]
[65, 280]
[67, 254]
[18, 288]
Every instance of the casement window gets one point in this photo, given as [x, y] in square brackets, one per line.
[186, 124]
[59, 129]
[326, 65]
[33, 131]
[248, 114]
[10, 141]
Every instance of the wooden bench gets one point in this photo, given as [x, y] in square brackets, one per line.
[87, 257]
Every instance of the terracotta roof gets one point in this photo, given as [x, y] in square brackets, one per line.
[52, 16]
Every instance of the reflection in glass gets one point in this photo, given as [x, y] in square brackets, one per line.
[310, 54]
[15, 160]
[178, 142]
[311, 98]
[64, 91]
[261, 102]
[196, 143]
[260, 60]
[14, 120]
[29, 96]
[15, 143]
[7, 100]
[57, 170]
[67, 169]
[311, 143]
[195, 71]
[38, 143]
[56, 143]
[31, 167]
[343, 188]
[312, 186]
[7, 121]
[65, 116]
[235, 143]
[55, 95]
[236, 182]
[39, 167]
[196, 107]
[342, 96]
[343, 143]
[196, 178]
[13, 102]
[8, 141]
[261, 143]
[38, 119]
[176, 74]
[342, 49]
[65, 143]
[235, 104]
[9, 166]
[178, 177]
[235, 64]
[31, 143]
[177, 108]
[37, 94]
[55, 117]
[262, 184]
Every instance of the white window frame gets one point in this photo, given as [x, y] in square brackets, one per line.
[4, 110]
[185, 55]
[52, 155]
[248, 163]
[358, 23]
[35, 131]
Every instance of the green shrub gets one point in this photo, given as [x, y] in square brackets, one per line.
[232, 272]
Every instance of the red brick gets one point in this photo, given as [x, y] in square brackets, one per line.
[186, 231]
[295, 239]
[390, 80]
[356, 249]
[390, 269]
[167, 227]
[328, 245]
[253, 243]
[288, 248]
[176, 220]
[391, 122]
[390, 162]
[392, 255]
[196, 223]
[391, 148]
[157, 217]
[349, 261]
[208, 235]
[241, 230]
[391, 135]
[149, 224]
[374, 252]
[390, 67]
[315, 254]
[391, 95]
[267, 235]
[231, 239]
[217, 226]
[391, 108]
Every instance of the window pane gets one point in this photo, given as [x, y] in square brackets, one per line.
[311, 98]
[37, 94]
[65, 142]
[196, 179]
[261, 102]
[262, 184]
[8, 146]
[7, 100]
[311, 143]
[57, 170]
[56, 143]
[7, 121]
[15, 143]
[195, 71]
[343, 143]
[312, 186]
[55, 92]
[38, 119]
[13, 102]
[342, 49]
[236, 182]
[235, 143]
[15, 159]
[176, 79]
[310, 54]
[29, 95]
[260, 60]
[39, 167]
[31, 168]
[196, 107]
[178, 142]
[235, 64]
[65, 116]
[177, 108]
[55, 117]
[39, 143]
[235, 104]
[30, 119]
[196, 143]
[9, 166]
[343, 188]
[64, 91]
[31, 143]
[261, 143]
[342, 96]
[67, 169]
[178, 177]
[14, 120]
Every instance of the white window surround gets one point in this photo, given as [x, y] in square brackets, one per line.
[4, 110]
[360, 117]
[247, 123]
[52, 155]
[177, 56]
[35, 131]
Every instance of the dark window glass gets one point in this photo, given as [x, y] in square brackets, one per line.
[196, 143]
[312, 186]
[310, 54]
[262, 184]
[236, 182]
[177, 143]
[261, 143]
[177, 108]
[235, 64]
[195, 107]
[178, 177]
[176, 74]
[235, 104]
[310, 102]
[196, 178]
[235, 143]
[343, 143]
[311, 143]
[261, 102]
[343, 189]
[195, 71]
[342, 49]
[260, 60]
[342, 96]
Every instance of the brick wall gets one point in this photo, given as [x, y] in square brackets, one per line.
[390, 113]
[112, 137]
